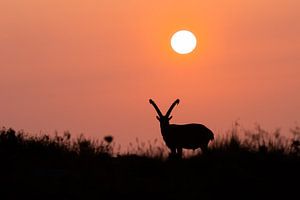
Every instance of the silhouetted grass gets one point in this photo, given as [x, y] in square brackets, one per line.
[258, 141]
[239, 165]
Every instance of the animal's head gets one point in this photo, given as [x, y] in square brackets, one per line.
[163, 119]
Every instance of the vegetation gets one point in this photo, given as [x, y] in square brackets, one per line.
[239, 165]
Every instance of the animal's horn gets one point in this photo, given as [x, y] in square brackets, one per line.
[156, 107]
[171, 107]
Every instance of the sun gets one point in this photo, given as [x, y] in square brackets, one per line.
[183, 42]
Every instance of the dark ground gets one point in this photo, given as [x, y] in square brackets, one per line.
[54, 168]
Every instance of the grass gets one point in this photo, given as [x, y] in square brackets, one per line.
[240, 165]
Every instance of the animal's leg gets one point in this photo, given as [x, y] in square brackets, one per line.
[179, 152]
[204, 148]
[173, 152]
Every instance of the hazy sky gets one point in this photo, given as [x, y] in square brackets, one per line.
[91, 66]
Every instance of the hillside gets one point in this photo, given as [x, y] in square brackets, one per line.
[60, 167]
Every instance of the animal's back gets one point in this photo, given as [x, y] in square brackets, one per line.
[190, 136]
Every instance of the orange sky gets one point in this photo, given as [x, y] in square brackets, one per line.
[91, 66]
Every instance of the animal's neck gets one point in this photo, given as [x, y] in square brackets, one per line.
[164, 129]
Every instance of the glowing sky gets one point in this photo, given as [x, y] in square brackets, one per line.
[91, 66]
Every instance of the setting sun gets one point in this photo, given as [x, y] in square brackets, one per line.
[183, 42]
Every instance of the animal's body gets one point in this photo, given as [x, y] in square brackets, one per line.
[182, 136]
[187, 136]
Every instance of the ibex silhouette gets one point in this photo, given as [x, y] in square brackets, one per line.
[187, 136]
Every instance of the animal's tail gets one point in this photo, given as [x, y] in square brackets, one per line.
[212, 137]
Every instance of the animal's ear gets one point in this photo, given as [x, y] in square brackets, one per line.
[169, 118]
[157, 117]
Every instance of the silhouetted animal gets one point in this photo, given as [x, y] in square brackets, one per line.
[187, 136]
